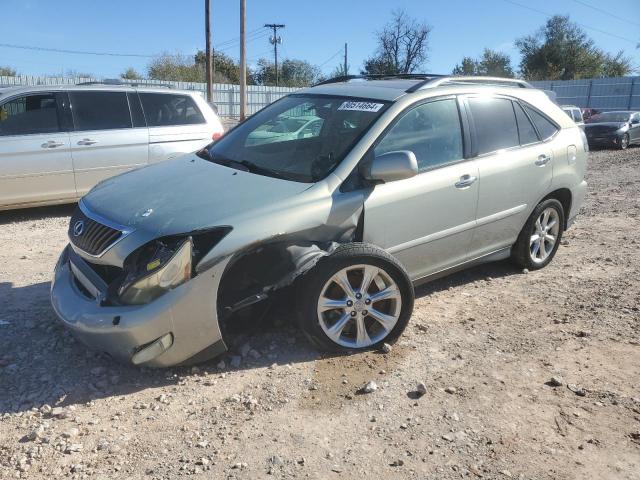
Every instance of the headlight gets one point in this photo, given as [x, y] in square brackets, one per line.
[157, 271]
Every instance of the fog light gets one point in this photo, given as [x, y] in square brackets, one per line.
[153, 349]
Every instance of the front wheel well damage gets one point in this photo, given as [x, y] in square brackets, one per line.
[258, 273]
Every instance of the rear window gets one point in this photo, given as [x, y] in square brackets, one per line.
[163, 109]
[29, 115]
[100, 110]
[495, 124]
[546, 128]
[525, 128]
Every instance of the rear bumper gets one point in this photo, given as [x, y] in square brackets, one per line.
[188, 313]
[577, 194]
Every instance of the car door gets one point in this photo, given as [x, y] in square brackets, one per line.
[634, 129]
[35, 156]
[426, 221]
[105, 141]
[176, 125]
[515, 168]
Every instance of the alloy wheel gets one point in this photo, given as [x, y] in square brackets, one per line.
[359, 306]
[545, 235]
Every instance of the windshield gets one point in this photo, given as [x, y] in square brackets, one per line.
[300, 137]
[610, 117]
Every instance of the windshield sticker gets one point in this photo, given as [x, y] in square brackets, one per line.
[361, 106]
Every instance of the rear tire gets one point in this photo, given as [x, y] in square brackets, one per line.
[540, 237]
[355, 299]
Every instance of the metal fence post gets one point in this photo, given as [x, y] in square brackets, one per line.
[589, 93]
[633, 82]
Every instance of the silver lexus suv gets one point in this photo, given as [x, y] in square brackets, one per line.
[339, 199]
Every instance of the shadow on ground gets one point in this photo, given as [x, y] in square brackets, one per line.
[41, 363]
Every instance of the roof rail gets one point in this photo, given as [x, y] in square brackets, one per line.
[119, 83]
[451, 80]
[382, 76]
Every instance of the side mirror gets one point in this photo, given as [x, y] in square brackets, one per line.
[391, 166]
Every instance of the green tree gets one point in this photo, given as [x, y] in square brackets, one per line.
[491, 63]
[8, 72]
[561, 50]
[175, 67]
[226, 70]
[130, 74]
[403, 46]
[292, 73]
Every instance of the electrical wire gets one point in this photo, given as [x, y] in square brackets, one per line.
[602, 10]
[546, 14]
[330, 58]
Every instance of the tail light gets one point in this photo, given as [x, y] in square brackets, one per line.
[216, 135]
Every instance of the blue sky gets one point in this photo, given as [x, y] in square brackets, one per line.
[315, 30]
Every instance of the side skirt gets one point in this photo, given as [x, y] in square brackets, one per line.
[501, 254]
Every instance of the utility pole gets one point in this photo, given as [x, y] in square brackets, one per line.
[275, 40]
[243, 60]
[346, 66]
[208, 59]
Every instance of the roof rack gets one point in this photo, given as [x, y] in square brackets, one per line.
[382, 76]
[450, 80]
[114, 82]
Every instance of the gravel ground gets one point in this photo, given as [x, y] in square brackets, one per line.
[489, 344]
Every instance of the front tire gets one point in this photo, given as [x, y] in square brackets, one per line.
[624, 142]
[540, 237]
[355, 299]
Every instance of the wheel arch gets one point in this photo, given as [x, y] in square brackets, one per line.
[564, 196]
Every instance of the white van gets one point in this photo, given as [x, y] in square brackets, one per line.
[57, 142]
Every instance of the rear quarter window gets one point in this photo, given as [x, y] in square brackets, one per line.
[164, 109]
[546, 128]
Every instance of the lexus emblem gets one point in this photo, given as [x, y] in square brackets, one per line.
[78, 228]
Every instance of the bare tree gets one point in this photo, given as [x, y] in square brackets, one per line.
[403, 45]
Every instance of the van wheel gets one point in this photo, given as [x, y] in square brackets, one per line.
[355, 299]
[540, 237]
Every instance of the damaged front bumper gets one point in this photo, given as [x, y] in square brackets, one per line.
[181, 326]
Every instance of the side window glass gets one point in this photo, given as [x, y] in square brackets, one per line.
[136, 110]
[29, 115]
[545, 127]
[165, 109]
[525, 127]
[577, 117]
[495, 124]
[100, 110]
[431, 131]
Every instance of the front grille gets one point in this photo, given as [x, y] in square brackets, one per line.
[90, 236]
[600, 130]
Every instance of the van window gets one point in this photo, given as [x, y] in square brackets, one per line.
[431, 131]
[545, 127]
[495, 124]
[29, 115]
[100, 110]
[163, 109]
[577, 116]
[525, 128]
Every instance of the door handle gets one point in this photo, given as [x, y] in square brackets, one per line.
[87, 141]
[465, 181]
[543, 160]
[52, 144]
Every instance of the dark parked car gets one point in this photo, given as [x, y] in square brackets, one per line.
[613, 129]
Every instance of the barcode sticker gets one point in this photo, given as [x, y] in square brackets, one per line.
[361, 106]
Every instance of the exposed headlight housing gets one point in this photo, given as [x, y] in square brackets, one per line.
[155, 274]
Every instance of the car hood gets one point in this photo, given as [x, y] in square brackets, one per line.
[185, 194]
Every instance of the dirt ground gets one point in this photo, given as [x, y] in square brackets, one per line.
[486, 343]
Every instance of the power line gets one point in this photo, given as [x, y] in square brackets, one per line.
[601, 10]
[548, 15]
[331, 57]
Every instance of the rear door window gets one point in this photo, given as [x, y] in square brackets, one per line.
[526, 131]
[431, 131]
[30, 114]
[546, 128]
[164, 109]
[100, 110]
[495, 124]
